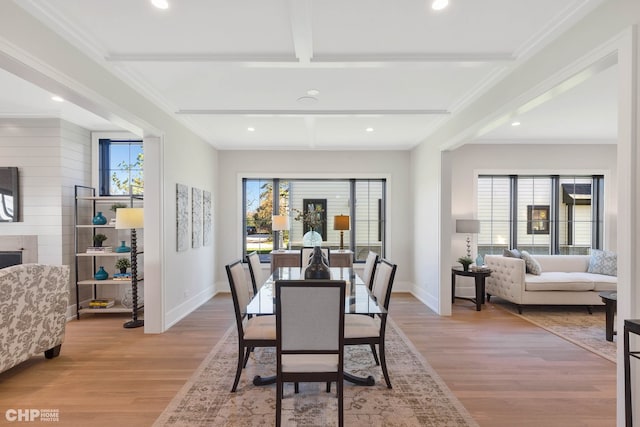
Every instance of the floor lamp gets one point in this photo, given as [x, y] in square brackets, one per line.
[280, 223]
[132, 218]
[469, 227]
[341, 222]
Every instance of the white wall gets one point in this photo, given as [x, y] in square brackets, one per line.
[469, 161]
[393, 165]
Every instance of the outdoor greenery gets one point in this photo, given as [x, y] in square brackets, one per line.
[136, 184]
[262, 215]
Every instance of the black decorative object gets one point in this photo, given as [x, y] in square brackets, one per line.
[318, 268]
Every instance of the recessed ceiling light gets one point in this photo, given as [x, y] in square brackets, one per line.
[57, 98]
[313, 92]
[251, 129]
[515, 124]
[160, 4]
[307, 100]
[439, 4]
[369, 129]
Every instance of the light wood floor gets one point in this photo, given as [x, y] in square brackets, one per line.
[505, 371]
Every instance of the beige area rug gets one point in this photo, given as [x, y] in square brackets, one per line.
[572, 323]
[419, 396]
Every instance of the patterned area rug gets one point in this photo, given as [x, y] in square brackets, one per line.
[572, 323]
[419, 396]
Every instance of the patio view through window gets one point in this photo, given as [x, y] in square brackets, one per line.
[311, 205]
[540, 214]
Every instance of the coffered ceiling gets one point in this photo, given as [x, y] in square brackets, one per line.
[330, 74]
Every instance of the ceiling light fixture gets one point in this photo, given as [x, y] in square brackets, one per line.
[515, 124]
[313, 92]
[369, 129]
[251, 129]
[57, 98]
[439, 4]
[160, 4]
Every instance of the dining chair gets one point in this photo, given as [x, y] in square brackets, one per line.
[309, 336]
[306, 251]
[365, 330]
[255, 271]
[370, 268]
[258, 331]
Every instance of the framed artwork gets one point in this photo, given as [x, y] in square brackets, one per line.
[207, 231]
[538, 219]
[182, 217]
[196, 217]
[319, 206]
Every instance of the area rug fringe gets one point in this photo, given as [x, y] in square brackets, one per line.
[419, 397]
[601, 347]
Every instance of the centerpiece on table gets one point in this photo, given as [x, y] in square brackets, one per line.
[312, 221]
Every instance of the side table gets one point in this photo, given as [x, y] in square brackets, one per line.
[479, 276]
[610, 300]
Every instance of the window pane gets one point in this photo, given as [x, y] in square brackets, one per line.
[258, 211]
[369, 223]
[122, 169]
[534, 199]
[575, 222]
[493, 213]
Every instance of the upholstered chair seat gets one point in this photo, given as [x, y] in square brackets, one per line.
[310, 362]
[359, 326]
[260, 328]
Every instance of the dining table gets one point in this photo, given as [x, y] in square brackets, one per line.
[358, 300]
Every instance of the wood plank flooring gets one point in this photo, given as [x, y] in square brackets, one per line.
[505, 371]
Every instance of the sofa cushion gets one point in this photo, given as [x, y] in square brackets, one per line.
[511, 253]
[603, 262]
[559, 281]
[533, 266]
[566, 263]
[603, 282]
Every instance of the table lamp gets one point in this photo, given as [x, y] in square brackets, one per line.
[280, 223]
[132, 218]
[341, 222]
[468, 226]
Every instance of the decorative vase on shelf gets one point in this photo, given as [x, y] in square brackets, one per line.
[99, 219]
[101, 274]
[123, 248]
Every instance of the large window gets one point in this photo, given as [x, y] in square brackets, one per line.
[311, 205]
[120, 167]
[541, 214]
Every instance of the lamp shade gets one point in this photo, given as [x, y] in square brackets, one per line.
[129, 218]
[279, 222]
[341, 222]
[467, 226]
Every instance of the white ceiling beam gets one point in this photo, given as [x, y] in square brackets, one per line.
[301, 29]
[277, 112]
[346, 59]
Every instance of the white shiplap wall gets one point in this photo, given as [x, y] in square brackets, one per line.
[52, 156]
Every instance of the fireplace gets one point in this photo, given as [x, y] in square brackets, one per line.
[9, 258]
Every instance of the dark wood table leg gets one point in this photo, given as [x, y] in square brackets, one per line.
[627, 380]
[453, 288]
[610, 311]
[479, 298]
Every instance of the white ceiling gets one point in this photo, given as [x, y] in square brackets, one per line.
[395, 66]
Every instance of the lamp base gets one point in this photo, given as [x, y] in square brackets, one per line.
[133, 324]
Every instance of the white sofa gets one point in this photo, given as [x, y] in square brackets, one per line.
[33, 307]
[564, 281]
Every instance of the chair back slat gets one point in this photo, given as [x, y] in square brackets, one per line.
[383, 282]
[239, 288]
[370, 268]
[306, 251]
[309, 314]
[255, 270]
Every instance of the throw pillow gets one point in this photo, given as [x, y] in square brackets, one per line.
[532, 265]
[603, 262]
[511, 253]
